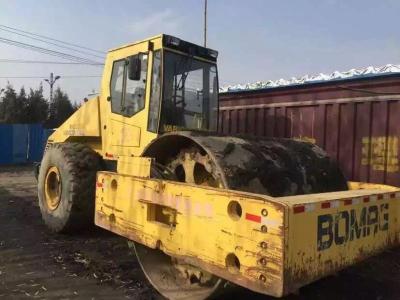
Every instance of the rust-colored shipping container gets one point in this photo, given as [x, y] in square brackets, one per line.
[355, 120]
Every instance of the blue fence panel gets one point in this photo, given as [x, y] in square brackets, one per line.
[6, 151]
[46, 134]
[36, 146]
[22, 143]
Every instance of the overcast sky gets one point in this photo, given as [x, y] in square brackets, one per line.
[256, 40]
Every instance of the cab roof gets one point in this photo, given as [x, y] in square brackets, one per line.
[176, 43]
[138, 42]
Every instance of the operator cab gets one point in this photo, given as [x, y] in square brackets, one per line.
[189, 87]
[156, 86]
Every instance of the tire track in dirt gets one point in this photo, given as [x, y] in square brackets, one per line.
[35, 263]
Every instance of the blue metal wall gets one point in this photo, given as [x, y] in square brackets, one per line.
[6, 138]
[22, 143]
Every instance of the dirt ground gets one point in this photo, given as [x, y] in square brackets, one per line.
[35, 263]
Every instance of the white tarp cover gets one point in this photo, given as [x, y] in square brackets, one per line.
[353, 73]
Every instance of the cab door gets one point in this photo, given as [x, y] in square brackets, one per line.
[125, 124]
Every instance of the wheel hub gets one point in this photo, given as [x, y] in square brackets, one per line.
[191, 166]
[52, 188]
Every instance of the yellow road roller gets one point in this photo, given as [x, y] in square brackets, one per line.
[205, 212]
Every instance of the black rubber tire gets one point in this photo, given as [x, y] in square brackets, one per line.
[77, 165]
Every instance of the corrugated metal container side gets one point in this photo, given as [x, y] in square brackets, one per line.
[356, 121]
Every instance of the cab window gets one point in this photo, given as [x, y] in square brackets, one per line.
[155, 94]
[117, 85]
[128, 96]
[135, 90]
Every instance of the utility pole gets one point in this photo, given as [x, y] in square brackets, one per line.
[205, 23]
[51, 82]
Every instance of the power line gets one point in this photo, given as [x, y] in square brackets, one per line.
[51, 43]
[52, 39]
[36, 77]
[23, 61]
[81, 76]
[46, 51]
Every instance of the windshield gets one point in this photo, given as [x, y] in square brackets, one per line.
[190, 94]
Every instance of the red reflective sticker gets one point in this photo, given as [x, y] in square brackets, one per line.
[325, 205]
[348, 202]
[299, 209]
[253, 218]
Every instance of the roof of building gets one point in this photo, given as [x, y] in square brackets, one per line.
[310, 79]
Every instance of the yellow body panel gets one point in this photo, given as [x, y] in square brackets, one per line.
[328, 232]
[85, 122]
[134, 166]
[83, 127]
[281, 243]
[163, 215]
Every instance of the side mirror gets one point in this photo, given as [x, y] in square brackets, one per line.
[134, 67]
